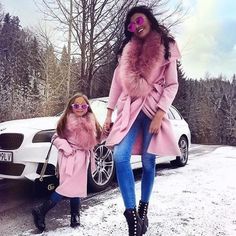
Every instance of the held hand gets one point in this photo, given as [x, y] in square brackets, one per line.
[107, 125]
[156, 122]
[68, 153]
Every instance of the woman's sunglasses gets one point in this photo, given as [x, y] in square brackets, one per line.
[132, 25]
[77, 106]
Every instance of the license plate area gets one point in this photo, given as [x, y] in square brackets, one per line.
[6, 156]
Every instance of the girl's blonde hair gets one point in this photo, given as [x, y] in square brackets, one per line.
[63, 119]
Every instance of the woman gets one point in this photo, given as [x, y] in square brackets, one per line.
[143, 87]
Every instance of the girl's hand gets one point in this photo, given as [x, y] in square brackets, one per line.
[156, 122]
[68, 153]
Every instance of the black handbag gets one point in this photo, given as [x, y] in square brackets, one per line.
[46, 184]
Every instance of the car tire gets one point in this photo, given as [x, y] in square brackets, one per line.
[102, 177]
[183, 159]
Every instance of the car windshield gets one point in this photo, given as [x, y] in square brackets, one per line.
[99, 109]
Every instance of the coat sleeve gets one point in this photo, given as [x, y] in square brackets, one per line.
[62, 145]
[115, 90]
[171, 80]
[171, 87]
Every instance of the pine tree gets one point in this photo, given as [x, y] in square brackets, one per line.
[10, 45]
[103, 75]
[181, 101]
[52, 81]
[65, 75]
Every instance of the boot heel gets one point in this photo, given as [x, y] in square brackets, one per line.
[142, 211]
[144, 229]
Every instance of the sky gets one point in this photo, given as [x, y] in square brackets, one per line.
[206, 38]
[198, 199]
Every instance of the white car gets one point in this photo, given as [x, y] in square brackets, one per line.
[24, 145]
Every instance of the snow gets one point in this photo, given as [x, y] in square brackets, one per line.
[199, 199]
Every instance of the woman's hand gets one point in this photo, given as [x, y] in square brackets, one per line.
[156, 122]
[107, 124]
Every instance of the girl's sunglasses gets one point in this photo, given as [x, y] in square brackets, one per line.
[132, 25]
[77, 106]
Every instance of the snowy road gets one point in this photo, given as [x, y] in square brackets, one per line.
[199, 199]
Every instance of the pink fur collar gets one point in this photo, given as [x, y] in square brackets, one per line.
[136, 63]
[81, 131]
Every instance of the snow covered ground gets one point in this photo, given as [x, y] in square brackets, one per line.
[199, 199]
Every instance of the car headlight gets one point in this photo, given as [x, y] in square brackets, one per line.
[43, 136]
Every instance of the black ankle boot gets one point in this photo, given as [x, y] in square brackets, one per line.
[75, 212]
[74, 220]
[142, 211]
[40, 212]
[134, 222]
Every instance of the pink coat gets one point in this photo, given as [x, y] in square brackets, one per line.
[74, 154]
[147, 82]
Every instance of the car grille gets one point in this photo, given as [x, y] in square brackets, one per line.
[10, 141]
[11, 169]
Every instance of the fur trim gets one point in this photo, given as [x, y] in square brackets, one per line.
[81, 131]
[137, 61]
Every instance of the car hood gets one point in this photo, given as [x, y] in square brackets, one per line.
[39, 123]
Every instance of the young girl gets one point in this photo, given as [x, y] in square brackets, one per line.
[76, 135]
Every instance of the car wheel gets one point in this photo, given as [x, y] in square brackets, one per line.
[183, 159]
[105, 170]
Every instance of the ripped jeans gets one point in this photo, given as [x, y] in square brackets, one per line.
[122, 155]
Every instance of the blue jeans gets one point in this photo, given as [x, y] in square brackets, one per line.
[122, 155]
[74, 201]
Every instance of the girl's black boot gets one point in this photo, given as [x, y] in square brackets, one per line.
[134, 222]
[75, 220]
[40, 212]
[75, 214]
[142, 211]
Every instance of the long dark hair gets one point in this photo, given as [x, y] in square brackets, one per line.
[166, 38]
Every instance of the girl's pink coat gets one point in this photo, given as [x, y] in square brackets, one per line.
[159, 90]
[74, 154]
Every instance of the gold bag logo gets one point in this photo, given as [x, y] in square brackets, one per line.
[51, 187]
